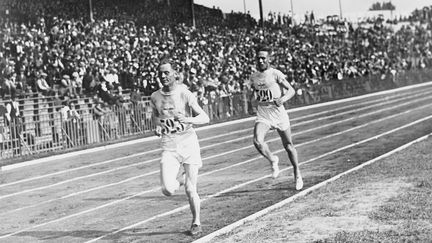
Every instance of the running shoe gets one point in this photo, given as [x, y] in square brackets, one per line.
[275, 167]
[299, 183]
[195, 230]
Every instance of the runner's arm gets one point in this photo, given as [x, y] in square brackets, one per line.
[201, 118]
[290, 92]
[155, 119]
[251, 95]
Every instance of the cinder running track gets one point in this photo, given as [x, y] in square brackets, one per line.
[113, 195]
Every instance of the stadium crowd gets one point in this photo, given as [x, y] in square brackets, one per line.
[50, 47]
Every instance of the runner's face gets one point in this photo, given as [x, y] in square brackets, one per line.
[262, 60]
[166, 75]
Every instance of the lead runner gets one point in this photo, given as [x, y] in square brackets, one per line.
[268, 85]
[172, 113]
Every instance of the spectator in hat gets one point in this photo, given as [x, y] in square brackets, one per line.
[42, 85]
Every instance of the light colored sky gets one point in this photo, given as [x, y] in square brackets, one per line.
[321, 8]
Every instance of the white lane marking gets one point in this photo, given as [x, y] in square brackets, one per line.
[15, 166]
[209, 157]
[205, 199]
[210, 172]
[325, 137]
[111, 146]
[359, 109]
[236, 187]
[303, 193]
[205, 147]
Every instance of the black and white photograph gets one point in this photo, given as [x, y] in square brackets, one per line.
[208, 121]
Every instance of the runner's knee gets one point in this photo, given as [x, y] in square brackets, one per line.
[169, 190]
[258, 143]
[166, 192]
[190, 189]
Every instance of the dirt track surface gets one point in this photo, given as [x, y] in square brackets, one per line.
[320, 215]
[114, 195]
[367, 205]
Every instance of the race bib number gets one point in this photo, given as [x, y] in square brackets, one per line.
[264, 95]
[170, 126]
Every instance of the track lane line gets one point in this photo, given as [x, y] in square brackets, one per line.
[304, 192]
[207, 197]
[204, 147]
[121, 144]
[210, 172]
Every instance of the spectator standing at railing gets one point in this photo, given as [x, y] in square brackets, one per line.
[13, 121]
[99, 108]
[71, 122]
[223, 104]
[12, 112]
[271, 91]
[8, 84]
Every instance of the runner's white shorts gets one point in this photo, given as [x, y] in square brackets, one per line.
[182, 148]
[273, 116]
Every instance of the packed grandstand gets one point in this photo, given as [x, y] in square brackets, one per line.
[68, 80]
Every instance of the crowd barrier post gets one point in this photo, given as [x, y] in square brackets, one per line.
[245, 100]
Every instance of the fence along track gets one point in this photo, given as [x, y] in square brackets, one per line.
[41, 127]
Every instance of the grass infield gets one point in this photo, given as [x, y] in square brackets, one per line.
[387, 201]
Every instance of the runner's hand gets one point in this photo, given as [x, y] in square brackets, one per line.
[181, 118]
[278, 101]
[158, 131]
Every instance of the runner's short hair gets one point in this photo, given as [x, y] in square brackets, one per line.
[168, 60]
[263, 48]
[165, 60]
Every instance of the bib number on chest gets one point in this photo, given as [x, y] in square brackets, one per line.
[264, 95]
[170, 126]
